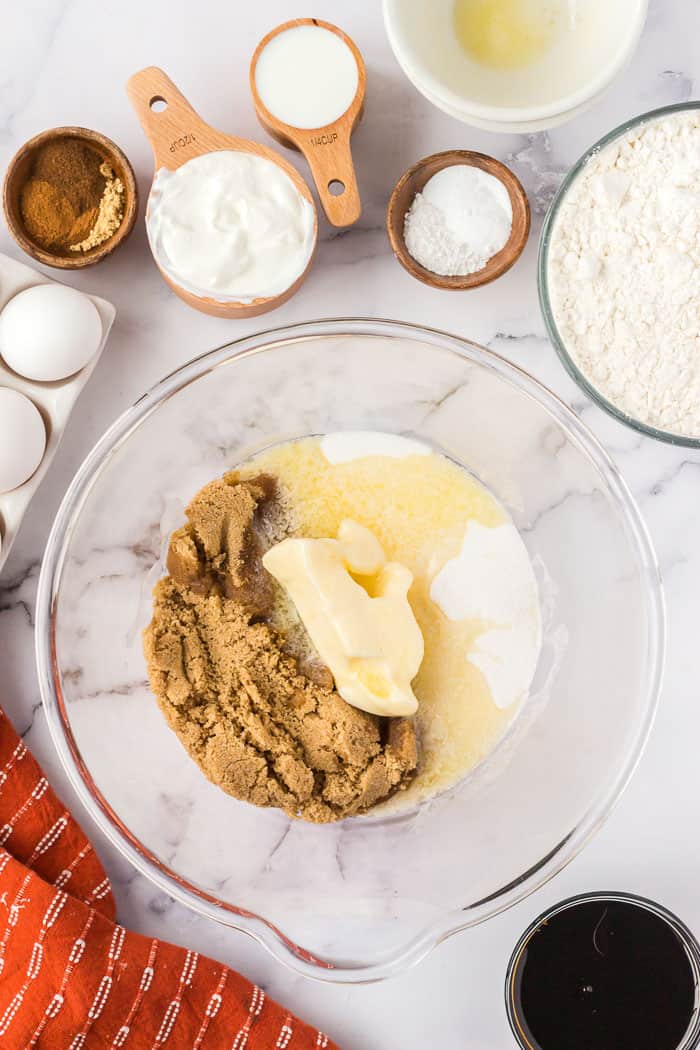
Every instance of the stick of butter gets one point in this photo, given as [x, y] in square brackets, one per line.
[363, 628]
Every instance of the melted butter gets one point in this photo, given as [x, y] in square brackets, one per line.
[417, 507]
[506, 34]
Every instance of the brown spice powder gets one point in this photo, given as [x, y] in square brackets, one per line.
[46, 213]
[71, 199]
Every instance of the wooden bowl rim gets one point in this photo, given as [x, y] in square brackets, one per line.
[499, 263]
[100, 251]
[280, 127]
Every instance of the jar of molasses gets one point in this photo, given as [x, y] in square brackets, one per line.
[605, 971]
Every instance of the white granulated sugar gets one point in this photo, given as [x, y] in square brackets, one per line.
[624, 273]
[462, 219]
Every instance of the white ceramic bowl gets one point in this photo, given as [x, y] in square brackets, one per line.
[552, 90]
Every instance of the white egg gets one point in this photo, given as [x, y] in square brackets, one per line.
[49, 332]
[22, 439]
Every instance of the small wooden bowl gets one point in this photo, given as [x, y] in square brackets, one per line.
[16, 175]
[413, 182]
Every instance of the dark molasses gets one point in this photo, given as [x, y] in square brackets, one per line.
[604, 974]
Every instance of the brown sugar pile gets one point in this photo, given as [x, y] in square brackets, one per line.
[257, 726]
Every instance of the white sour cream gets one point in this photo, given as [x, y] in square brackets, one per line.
[306, 76]
[346, 445]
[492, 580]
[230, 225]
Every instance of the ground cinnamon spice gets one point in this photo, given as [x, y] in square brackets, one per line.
[71, 199]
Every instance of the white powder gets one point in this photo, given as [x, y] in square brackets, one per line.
[492, 580]
[624, 276]
[462, 219]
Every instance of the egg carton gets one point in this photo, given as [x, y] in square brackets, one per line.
[54, 400]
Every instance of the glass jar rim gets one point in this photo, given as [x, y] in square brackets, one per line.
[582, 381]
[691, 1038]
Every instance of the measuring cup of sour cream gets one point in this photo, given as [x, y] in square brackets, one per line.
[513, 65]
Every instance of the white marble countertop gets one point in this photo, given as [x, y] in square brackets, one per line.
[66, 62]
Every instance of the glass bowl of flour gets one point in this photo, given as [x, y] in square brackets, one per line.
[619, 273]
[367, 896]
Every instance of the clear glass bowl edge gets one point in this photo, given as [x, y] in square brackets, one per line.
[261, 930]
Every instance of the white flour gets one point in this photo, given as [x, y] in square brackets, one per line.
[462, 219]
[624, 273]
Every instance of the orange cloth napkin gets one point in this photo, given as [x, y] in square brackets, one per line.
[71, 979]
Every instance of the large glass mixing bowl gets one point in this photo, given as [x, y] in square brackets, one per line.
[361, 899]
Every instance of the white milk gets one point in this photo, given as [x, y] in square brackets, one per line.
[307, 76]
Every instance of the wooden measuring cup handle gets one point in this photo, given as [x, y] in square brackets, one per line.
[328, 155]
[171, 125]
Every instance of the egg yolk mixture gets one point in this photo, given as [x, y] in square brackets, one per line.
[505, 34]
